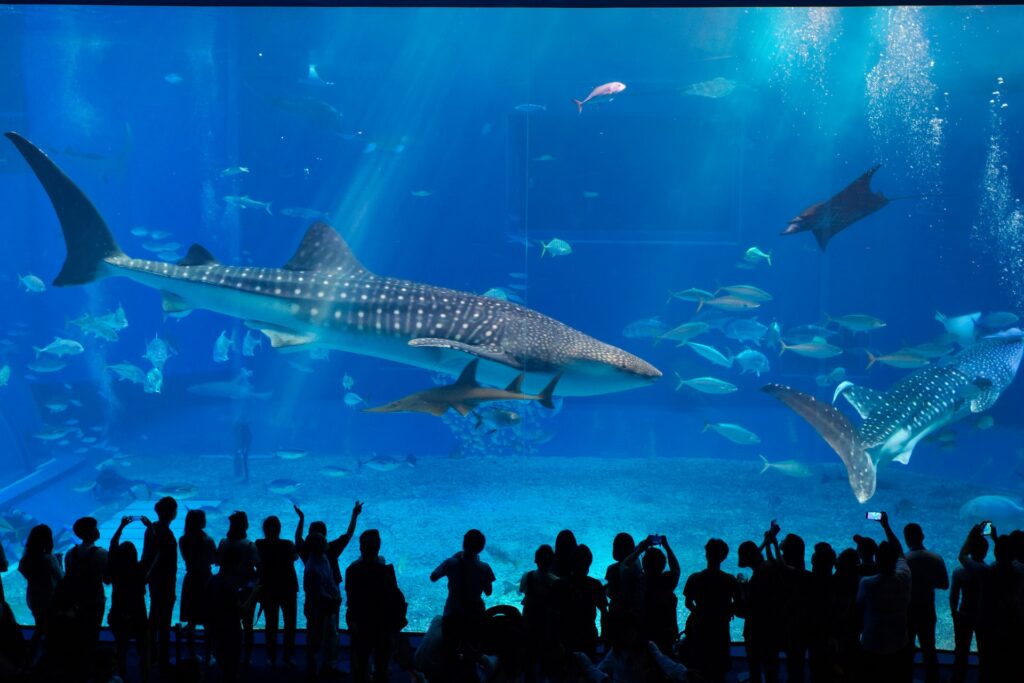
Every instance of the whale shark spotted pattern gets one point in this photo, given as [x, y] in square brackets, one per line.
[324, 297]
[919, 404]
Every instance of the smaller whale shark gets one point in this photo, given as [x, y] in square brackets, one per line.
[465, 395]
[828, 218]
[921, 403]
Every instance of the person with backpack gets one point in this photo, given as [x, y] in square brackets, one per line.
[376, 610]
[80, 598]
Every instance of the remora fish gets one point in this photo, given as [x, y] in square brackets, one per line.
[325, 297]
[828, 218]
[464, 395]
[919, 404]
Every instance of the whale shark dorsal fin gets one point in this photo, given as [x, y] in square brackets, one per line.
[467, 378]
[322, 248]
[197, 255]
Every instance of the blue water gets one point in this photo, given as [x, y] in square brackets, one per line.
[732, 122]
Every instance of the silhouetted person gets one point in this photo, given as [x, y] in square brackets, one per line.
[796, 610]
[199, 553]
[759, 606]
[127, 616]
[660, 623]
[160, 567]
[884, 600]
[846, 628]
[866, 549]
[965, 599]
[624, 579]
[4, 566]
[322, 601]
[376, 610]
[80, 595]
[928, 573]
[243, 442]
[565, 554]
[42, 571]
[710, 597]
[999, 620]
[821, 601]
[581, 598]
[14, 658]
[469, 579]
[240, 568]
[279, 587]
[226, 596]
[539, 611]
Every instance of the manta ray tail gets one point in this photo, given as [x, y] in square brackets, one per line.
[837, 431]
[86, 235]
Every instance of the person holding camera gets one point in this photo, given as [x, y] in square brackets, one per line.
[884, 601]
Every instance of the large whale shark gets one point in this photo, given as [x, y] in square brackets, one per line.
[921, 403]
[324, 297]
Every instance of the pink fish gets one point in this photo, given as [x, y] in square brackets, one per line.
[606, 90]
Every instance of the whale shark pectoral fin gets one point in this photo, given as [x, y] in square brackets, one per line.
[283, 338]
[982, 394]
[863, 399]
[837, 431]
[492, 353]
[174, 304]
[903, 458]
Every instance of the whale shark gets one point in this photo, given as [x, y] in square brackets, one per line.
[828, 218]
[921, 403]
[324, 297]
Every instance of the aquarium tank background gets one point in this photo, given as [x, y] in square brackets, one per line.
[445, 147]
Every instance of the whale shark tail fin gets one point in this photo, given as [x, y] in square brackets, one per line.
[837, 431]
[86, 236]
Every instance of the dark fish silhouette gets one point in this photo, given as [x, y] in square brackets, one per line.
[828, 218]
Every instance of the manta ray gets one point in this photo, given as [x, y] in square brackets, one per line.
[921, 403]
[828, 218]
[324, 297]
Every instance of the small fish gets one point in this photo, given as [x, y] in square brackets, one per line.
[56, 405]
[544, 157]
[222, 347]
[733, 432]
[347, 382]
[129, 372]
[755, 255]
[857, 322]
[746, 330]
[169, 256]
[89, 439]
[530, 108]
[900, 359]
[161, 235]
[691, 294]
[157, 352]
[47, 364]
[304, 213]
[710, 353]
[55, 432]
[647, 328]
[233, 171]
[421, 193]
[791, 468]
[387, 463]
[813, 349]
[5, 375]
[705, 385]
[291, 453]
[591, 195]
[179, 490]
[752, 361]
[31, 283]
[729, 303]
[936, 349]
[139, 231]
[335, 471]
[714, 89]
[84, 487]
[246, 202]
[835, 376]
[353, 399]
[999, 319]
[154, 381]
[251, 342]
[808, 333]
[685, 332]
[283, 487]
[173, 79]
[556, 247]
[601, 92]
[748, 292]
[60, 347]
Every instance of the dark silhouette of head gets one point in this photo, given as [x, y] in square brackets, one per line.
[272, 528]
[823, 559]
[653, 562]
[166, 509]
[847, 562]
[1017, 543]
[125, 554]
[887, 556]
[565, 543]
[913, 535]
[582, 559]
[866, 548]
[977, 547]
[748, 556]
[86, 529]
[238, 525]
[793, 551]
[316, 544]
[715, 552]
[318, 527]
[1003, 551]
[622, 547]
[473, 542]
[544, 558]
[195, 522]
[369, 543]
[39, 541]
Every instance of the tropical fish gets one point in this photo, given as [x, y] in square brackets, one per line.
[246, 202]
[900, 359]
[291, 453]
[857, 322]
[31, 283]
[921, 403]
[755, 255]
[746, 330]
[222, 347]
[647, 328]
[733, 432]
[238, 389]
[729, 303]
[706, 385]
[714, 89]
[127, 371]
[710, 353]
[157, 352]
[555, 247]
[154, 381]
[233, 171]
[302, 212]
[387, 463]
[606, 91]
[748, 292]
[813, 349]
[752, 361]
[313, 301]
[347, 382]
[998, 319]
[685, 332]
[835, 376]
[250, 343]
[961, 327]
[60, 347]
[691, 294]
[464, 395]
[828, 218]
[791, 468]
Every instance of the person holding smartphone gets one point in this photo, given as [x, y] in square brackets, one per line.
[964, 600]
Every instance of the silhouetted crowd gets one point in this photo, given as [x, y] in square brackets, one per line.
[855, 615]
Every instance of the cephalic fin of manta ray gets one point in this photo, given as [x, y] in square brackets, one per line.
[837, 431]
[863, 399]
